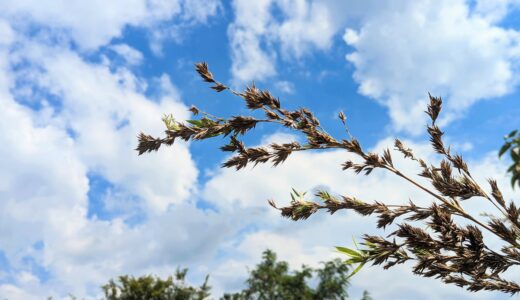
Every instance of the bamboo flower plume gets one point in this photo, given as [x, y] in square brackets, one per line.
[428, 236]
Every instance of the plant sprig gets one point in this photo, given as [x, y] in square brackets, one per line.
[429, 236]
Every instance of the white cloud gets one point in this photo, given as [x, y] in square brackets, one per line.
[411, 48]
[308, 25]
[87, 255]
[401, 50]
[106, 120]
[249, 60]
[495, 10]
[131, 55]
[31, 152]
[10, 291]
[97, 110]
[285, 86]
[91, 24]
[255, 33]
[44, 182]
[87, 24]
[192, 12]
[200, 11]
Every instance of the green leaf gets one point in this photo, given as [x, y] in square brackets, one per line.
[356, 270]
[326, 195]
[514, 155]
[355, 260]
[206, 122]
[349, 252]
[355, 243]
[511, 134]
[514, 179]
[504, 148]
[196, 123]
[370, 244]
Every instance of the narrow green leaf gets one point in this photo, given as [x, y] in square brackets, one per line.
[514, 155]
[326, 195]
[370, 244]
[356, 270]
[197, 123]
[355, 243]
[355, 260]
[349, 252]
[514, 179]
[207, 121]
[504, 148]
[511, 134]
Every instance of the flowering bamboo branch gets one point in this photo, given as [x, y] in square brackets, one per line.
[440, 248]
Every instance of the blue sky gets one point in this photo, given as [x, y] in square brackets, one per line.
[80, 79]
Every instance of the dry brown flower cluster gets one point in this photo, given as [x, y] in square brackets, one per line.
[429, 236]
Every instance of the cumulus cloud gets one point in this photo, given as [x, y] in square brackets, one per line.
[286, 87]
[440, 47]
[256, 32]
[91, 24]
[131, 55]
[191, 12]
[494, 11]
[265, 31]
[91, 127]
[106, 119]
[66, 118]
[401, 50]
[200, 11]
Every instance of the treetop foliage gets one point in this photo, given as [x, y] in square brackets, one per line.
[154, 288]
[271, 279]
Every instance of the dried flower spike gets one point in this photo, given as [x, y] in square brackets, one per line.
[442, 239]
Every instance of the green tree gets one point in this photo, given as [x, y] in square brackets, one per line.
[154, 288]
[272, 280]
[333, 280]
[269, 280]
